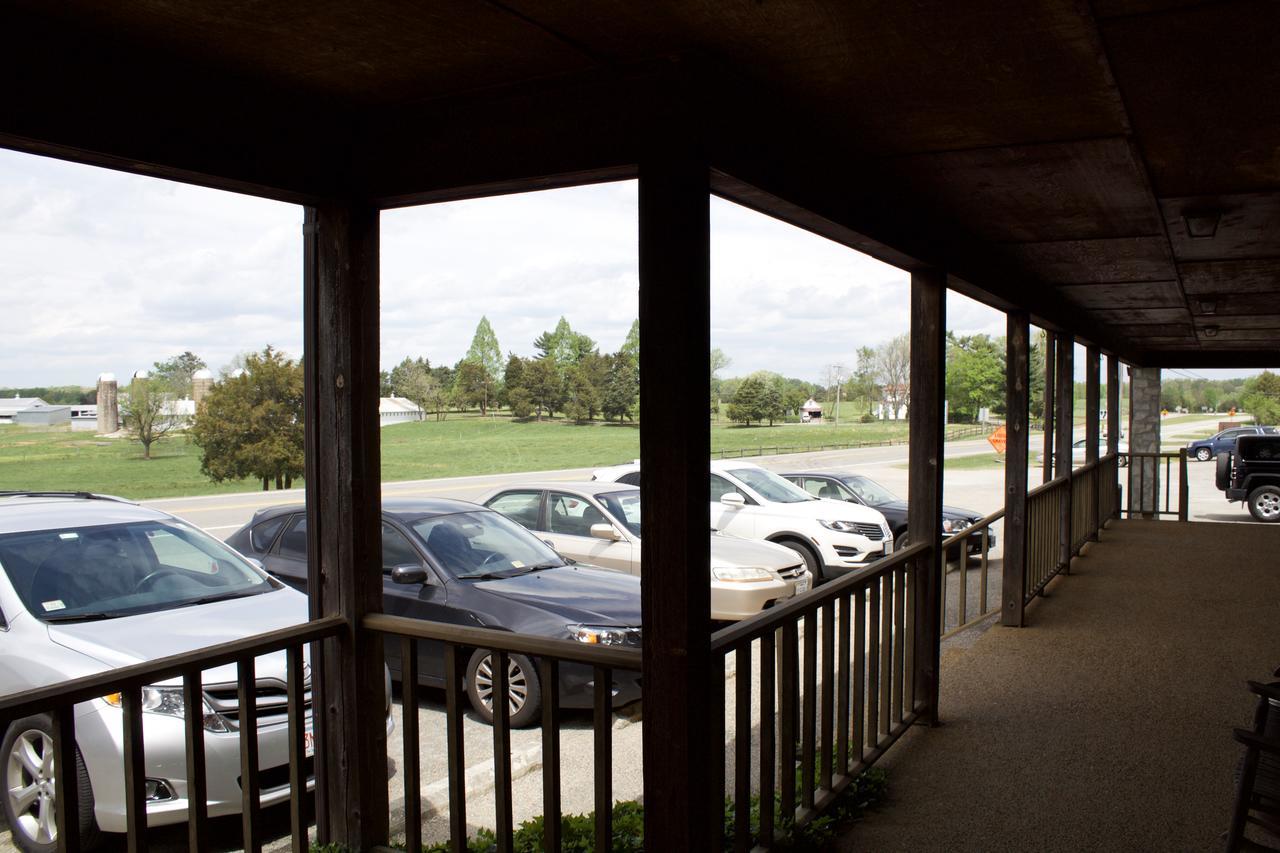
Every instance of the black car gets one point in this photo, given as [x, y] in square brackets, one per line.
[456, 562]
[855, 488]
[1251, 473]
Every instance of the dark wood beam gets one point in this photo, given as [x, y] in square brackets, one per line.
[925, 460]
[344, 514]
[675, 326]
[1017, 449]
[1050, 404]
[1113, 404]
[1092, 427]
[1064, 388]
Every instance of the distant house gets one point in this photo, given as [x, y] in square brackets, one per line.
[397, 410]
[10, 406]
[811, 412]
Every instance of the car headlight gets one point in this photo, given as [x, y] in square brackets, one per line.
[169, 701]
[741, 574]
[599, 635]
[842, 526]
[954, 525]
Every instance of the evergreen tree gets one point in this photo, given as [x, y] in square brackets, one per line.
[546, 389]
[621, 388]
[485, 350]
[631, 346]
[748, 403]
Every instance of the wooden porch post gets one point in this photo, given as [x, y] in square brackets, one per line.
[1017, 449]
[680, 750]
[925, 459]
[1113, 404]
[1050, 403]
[344, 517]
[1064, 387]
[1092, 431]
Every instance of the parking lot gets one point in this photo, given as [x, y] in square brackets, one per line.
[977, 488]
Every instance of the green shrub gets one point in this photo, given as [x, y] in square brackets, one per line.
[868, 418]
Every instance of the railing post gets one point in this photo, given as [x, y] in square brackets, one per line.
[1064, 387]
[1049, 404]
[1092, 433]
[1184, 488]
[924, 523]
[344, 518]
[1017, 396]
[682, 807]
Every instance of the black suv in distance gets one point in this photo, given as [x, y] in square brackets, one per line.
[1251, 473]
[459, 563]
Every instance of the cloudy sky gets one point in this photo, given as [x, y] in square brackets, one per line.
[104, 271]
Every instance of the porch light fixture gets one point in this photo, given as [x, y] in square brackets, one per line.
[1210, 331]
[1201, 224]
[1208, 306]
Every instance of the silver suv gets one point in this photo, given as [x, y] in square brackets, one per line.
[91, 583]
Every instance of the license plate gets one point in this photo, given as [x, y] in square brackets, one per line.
[802, 586]
[309, 744]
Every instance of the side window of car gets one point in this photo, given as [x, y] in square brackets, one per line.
[572, 515]
[521, 507]
[264, 534]
[396, 550]
[812, 485]
[293, 542]
[631, 479]
[721, 487]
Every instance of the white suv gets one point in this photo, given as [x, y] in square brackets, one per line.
[833, 537]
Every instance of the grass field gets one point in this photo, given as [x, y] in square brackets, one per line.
[461, 445]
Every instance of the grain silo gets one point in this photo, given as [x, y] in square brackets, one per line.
[108, 404]
[201, 384]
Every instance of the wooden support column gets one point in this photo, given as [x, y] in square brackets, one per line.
[925, 455]
[1064, 388]
[1113, 404]
[1050, 402]
[344, 508]
[681, 804]
[1017, 449]
[1092, 431]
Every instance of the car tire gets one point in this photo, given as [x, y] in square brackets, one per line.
[1222, 477]
[1264, 504]
[811, 561]
[523, 690]
[901, 542]
[1204, 454]
[33, 737]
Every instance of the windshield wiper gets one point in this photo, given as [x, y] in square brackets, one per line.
[222, 596]
[81, 617]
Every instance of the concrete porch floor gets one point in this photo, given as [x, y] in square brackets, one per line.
[1105, 724]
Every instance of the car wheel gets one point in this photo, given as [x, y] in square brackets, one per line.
[1203, 454]
[811, 561]
[1264, 503]
[29, 774]
[901, 542]
[524, 694]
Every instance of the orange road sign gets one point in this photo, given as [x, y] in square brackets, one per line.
[998, 439]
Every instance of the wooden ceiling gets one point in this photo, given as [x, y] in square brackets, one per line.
[1049, 154]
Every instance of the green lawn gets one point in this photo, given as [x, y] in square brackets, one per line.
[56, 459]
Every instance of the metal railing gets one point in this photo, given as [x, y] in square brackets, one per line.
[1145, 468]
[460, 642]
[59, 701]
[832, 674]
[959, 545]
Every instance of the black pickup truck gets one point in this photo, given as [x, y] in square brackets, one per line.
[1251, 473]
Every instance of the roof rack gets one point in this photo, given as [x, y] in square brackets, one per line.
[24, 493]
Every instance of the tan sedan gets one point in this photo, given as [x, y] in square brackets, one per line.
[599, 523]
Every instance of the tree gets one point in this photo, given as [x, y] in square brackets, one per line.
[893, 371]
[485, 350]
[474, 385]
[748, 403]
[621, 387]
[175, 373]
[542, 381]
[146, 410]
[404, 373]
[251, 424]
[422, 389]
[631, 346]
[583, 399]
[1261, 397]
[975, 375]
[719, 361]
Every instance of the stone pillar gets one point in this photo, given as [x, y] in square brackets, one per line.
[1144, 437]
[108, 404]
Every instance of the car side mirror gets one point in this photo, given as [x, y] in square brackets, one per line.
[408, 573]
[733, 499]
[605, 531]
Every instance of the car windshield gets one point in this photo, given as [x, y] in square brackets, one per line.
[771, 487]
[72, 573]
[869, 491]
[624, 507]
[483, 544]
